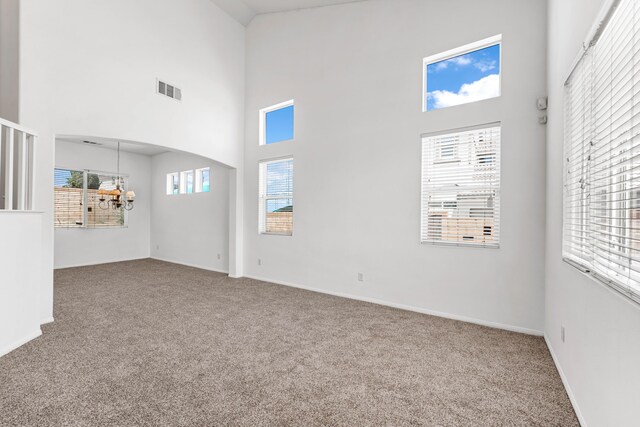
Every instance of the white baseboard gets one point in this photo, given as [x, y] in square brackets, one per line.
[20, 342]
[186, 264]
[98, 263]
[47, 320]
[567, 387]
[408, 308]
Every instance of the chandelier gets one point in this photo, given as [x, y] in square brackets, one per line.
[114, 199]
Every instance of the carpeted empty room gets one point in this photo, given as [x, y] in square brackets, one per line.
[319, 213]
[153, 343]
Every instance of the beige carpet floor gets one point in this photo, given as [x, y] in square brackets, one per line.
[152, 343]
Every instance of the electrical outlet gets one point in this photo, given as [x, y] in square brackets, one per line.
[541, 103]
[562, 333]
[360, 277]
[259, 261]
[219, 256]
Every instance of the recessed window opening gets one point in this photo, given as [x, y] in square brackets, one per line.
[203, 180]
[459, 76]
[461, 187]
[277, 123]
[276, 197]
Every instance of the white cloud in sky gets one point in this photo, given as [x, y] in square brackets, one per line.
[486, 87]
[460, 61]
[485, 66]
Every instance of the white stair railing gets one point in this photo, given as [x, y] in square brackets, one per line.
[17, 146]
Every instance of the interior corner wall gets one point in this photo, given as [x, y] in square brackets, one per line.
[75, 247]
[190, 229]
[355, 73]
[89, 67]
[599, 358]
[9, 59]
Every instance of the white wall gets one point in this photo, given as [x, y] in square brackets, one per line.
[19, 251]
[355, 72]
[599, 358]
[190, 229]
[9, 53]
[88, 67]
[86, 246]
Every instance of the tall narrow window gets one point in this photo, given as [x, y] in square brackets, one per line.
[96, 216]
[276, 197]
[462, 75]
[173, 183]
[186, 182]
[601, 232]
[203, 180]
[461, 187]
[276, 123]
[68, 198]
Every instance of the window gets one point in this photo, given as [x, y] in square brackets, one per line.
[459, 76]
[68, 190]
[276, 123]
[276, 197]
[461, 187]
[76, 200]
[202, 180]
[186, 182]
[173, 183]
[601, 231]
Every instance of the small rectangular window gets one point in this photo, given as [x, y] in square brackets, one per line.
[276, 197]
[173, 183]
[462, 75]
[186, 182]
[461, 187]
[203, 180]
[276, 123]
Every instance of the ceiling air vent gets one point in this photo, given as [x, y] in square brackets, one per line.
[91, 143]
[169, 90]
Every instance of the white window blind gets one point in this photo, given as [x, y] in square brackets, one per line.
[76, 200]
[276, 197]
[461, 187]
[601, 232]
[68, 190]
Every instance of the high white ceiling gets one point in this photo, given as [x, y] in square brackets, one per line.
[245, 10]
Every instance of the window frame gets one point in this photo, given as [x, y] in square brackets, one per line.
[184, 182]
[199, 182]
[593, 267]
[263, 121]
[424, 204]
[170, 190]
[263, 198]
[85, 202]
[459, 51]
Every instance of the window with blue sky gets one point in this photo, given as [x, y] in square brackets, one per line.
[278, 123]
[468, 77]
[202, 180]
